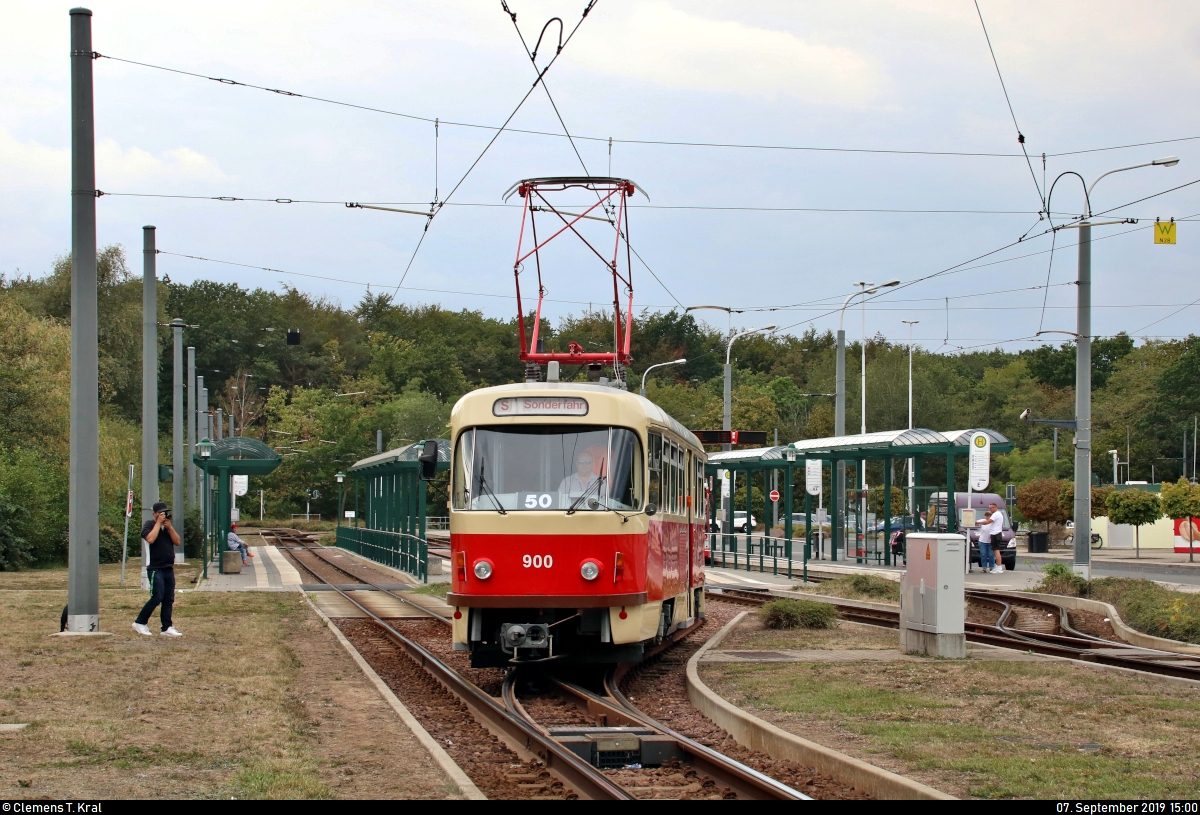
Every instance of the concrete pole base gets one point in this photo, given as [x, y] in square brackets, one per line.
[946, 646]
[81, 634]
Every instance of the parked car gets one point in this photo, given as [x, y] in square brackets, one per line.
[739, 522]
[1006, 548]
[900, 520]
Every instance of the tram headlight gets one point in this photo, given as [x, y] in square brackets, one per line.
[590, 570]
[483, 569]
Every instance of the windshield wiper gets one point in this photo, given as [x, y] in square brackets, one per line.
[595, 484]
[486, 490]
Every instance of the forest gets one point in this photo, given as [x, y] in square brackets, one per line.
[399, 368]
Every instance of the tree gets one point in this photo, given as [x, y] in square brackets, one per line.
[1182, 500]
[1136, 507]
[1066, 500]
[1038, 501]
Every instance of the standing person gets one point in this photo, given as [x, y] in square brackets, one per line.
[996, 530]
[991, 527]
[161, 571]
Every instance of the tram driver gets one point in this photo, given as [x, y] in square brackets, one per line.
[583, 479]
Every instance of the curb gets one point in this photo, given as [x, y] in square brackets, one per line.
[1126, 633]
[443, 759]
[756, 734]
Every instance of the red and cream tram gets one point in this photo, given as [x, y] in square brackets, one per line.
[576, 524]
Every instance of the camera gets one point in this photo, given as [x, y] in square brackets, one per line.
[167, 514]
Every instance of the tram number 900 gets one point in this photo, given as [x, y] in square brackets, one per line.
[536, 500]
[538, 561]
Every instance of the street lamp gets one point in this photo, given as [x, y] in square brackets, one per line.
[1082, 565]
[204, 449]
[727, 420]
[642, 392]
[912, 481]
[839, 415]
[340, 477]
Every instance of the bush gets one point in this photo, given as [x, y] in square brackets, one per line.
[110, 542]
[1059, 579]
[1150, 608]
[788, 613]
[858, 586]
[193, 533]
[15, 551]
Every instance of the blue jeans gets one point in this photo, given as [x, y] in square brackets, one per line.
[162, 587]
[987, 558]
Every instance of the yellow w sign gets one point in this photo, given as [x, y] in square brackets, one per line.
[1164, 232]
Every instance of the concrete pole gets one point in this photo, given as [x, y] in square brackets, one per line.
[839, 429]
[231, 432]
[220, 423]
[378, 441]
[83, 512]
[178, 474]
[1083, 408]
[727, 424]
[149, 388]
[192, 472]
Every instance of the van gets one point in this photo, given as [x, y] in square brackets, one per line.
[1006, 549]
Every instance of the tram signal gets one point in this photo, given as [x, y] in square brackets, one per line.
[293, 336]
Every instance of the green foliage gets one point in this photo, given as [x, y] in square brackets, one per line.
[1066, 500]
[788, 613]
[1135, 507]
[860, 586]
[1150, 608]
[1057, 578]
[1181, 499]
[15, 551]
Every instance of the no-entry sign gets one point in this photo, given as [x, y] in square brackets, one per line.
[774, 495]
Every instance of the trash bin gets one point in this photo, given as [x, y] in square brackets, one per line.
[1039, 542]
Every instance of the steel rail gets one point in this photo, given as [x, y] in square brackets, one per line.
[573, 772]
[745, 781]
[317, 551]
[1083, 648]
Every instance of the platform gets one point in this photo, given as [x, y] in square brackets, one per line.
[269, 570]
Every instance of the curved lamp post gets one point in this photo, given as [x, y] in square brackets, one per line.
[642, 392]
[340, 477]
[204, 449]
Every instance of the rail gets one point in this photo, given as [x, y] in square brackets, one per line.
[399, 550]
[1073, 645]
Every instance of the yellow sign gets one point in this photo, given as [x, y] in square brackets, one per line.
[1164, 232]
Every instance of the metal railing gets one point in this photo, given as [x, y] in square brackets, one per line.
[736, 551]
[408, 553]
[308, 516]
[437, 521]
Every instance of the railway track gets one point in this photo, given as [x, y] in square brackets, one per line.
[1071, 643]
[691, 768]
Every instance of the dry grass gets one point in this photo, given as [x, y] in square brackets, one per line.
[855, 587]
[981, 728]
[752, 635]
[225, 711]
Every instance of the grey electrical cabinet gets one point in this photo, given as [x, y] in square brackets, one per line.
[932, 596]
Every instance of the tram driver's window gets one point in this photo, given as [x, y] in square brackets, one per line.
[655, 457]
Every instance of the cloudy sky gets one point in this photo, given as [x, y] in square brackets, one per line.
[878, 82]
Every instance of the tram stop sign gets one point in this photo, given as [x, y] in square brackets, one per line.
[775, 495]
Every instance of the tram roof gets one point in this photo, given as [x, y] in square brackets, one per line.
[651, 411]
[885, 444]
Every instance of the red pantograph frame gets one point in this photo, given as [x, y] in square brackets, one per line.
[606, 189]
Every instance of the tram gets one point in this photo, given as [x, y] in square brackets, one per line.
[577, 517]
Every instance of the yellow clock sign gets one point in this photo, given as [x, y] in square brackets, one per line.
[1164, 231]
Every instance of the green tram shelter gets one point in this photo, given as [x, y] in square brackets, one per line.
[393, 531]
[236, 455]
[887, 446]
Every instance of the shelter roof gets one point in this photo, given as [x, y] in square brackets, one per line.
[401, 458]
[239, 455]
[962, 438]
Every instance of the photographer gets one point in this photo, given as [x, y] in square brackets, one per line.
[161, 570]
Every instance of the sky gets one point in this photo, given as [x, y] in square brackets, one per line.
[881, 90]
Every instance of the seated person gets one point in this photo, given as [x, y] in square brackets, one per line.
[582, 479]
[236, 544]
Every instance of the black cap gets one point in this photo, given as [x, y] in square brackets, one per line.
[160, 507]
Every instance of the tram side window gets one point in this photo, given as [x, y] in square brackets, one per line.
[677, 471]
[656, 461]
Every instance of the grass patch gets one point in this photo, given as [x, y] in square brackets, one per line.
[433, 589]
[788, 613]
[274, 780]
[1143, 604]
[987, 729]
[856, 587]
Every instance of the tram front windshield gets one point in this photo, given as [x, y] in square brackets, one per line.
[525, 468]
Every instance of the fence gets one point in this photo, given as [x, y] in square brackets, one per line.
[407, 553]
[778, 554]
[437, 521]
[308, 516]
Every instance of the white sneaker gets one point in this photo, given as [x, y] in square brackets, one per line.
[998, 570]
[171, 632]
[141, 629]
